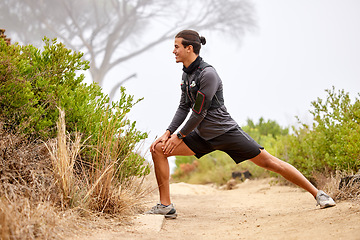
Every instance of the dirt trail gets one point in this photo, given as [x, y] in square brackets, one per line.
[254, 210]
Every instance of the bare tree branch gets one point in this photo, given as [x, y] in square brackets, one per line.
[111, 32]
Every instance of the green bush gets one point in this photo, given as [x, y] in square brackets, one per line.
[268, 134]
[263, 128]
[331, 143]
[35, 83]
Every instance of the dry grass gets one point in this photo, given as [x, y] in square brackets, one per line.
[40, 190]
[22, 219]
[108, 188]
[330, 184]
[63, 152]
[27, 190]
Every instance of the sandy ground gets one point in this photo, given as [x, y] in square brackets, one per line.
[254, 210]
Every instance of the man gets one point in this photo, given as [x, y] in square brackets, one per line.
[210, 127]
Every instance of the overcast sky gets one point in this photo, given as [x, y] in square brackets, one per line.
[300, 49]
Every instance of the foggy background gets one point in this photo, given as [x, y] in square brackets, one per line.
[294, 51]
[300, 49]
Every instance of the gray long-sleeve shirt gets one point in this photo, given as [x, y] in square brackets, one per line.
[209, 123]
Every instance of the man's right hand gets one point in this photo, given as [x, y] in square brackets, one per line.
[162, 139]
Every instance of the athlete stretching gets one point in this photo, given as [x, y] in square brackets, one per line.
[210, 127]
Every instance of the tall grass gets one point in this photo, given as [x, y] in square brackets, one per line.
[63, 153]
[103, 185]
[41, 181]
[112, 185]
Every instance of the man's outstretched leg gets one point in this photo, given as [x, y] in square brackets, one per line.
[290, 173]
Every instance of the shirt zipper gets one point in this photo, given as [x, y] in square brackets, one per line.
[187, 82]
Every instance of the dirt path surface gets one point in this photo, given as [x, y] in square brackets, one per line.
[254, 210]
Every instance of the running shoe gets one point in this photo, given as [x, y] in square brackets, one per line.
[324, 200]
[168, 212]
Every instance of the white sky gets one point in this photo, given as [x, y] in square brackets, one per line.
[300, 49]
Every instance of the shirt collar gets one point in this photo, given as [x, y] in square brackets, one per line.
[194, 65]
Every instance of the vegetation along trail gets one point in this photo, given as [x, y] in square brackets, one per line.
[255, 209]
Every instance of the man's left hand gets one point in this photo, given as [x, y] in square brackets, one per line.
[171, 144]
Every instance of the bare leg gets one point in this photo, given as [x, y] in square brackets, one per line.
[290, 173]
[162, 172]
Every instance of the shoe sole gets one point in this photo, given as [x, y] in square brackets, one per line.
[170, 216]
[327, 206]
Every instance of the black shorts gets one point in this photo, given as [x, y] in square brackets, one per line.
[235, 142]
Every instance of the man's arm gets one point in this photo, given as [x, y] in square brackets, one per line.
[180, 114]
[179, 117]
[209, 83]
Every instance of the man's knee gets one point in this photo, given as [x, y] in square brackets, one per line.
[269, 162]
[158, 150]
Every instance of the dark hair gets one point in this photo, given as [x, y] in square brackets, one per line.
[191, 37]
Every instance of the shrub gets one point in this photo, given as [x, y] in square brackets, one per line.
[331, 143]
[89, 164]
[34, 84]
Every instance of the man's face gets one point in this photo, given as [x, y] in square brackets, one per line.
[180, 52]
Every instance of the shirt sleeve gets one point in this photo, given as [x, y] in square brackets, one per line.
[209, 84]
[180, 114]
